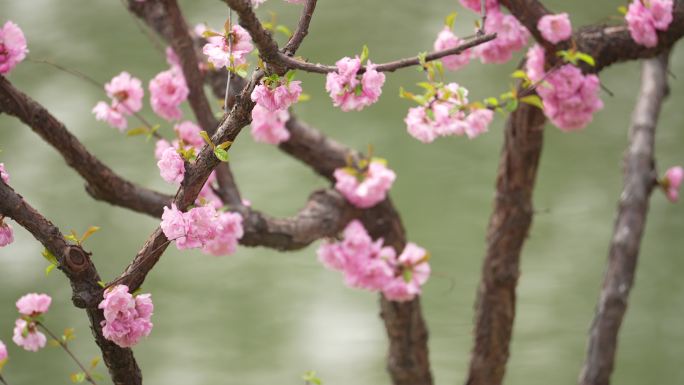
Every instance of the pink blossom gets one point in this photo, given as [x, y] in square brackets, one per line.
[127, 318]
[555, 28]
[534, 64]
[672, 182]
[296, 1]
[369, 191]
[159, 147]
[645, 18]
[226, 240]
[167, 91]
[278, 98]
[173, 223]
[216, 48]
[269, 127]
[476, 5]
[203, 226]
[348, 91]
[478, 121]
[570, 98]
[172, 59]
[189, 133]
[171, 166]
[27, 336]
[126, 93]
[511, 36]
[447, 40]
[3, 174]
[12, 47]
[6, 234]
[415, 271]
[103, 112]
[33, 304]
[3, 354]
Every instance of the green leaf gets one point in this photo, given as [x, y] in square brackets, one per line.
[68, 334]
[137, 131]
[533, 100]
[284, 30]
[586, 58]
[519, 74]
[209, 33]
[512, 105]
[364, 53]
[71, 237]
[491, 102]
[421, 58]
[50, 257]
[91, 230]
[94, 362]
[207, 139]
[304, 97]
[622, 10]
[289, 76]
[77, 378]
[221, 154]
[225, 145]
[102, 284]
[310, 377]
[450, 19]
[49, 268]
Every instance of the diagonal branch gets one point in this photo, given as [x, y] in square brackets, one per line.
[102, 183]
[302, 28]
[80, 270]
[639, 180]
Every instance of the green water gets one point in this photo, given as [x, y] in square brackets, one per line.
[262, 317]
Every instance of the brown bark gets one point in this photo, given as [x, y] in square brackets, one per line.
[640, 178]
[76, 264]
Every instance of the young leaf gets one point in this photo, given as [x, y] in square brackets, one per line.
[77, 378]
[137, 131]
[221, 154]
[533, 100]
[284, 30]
[586, 58]
[225, 145]
[49, 256]
[289, 76]
[49, 268]
[450, 19]
[622, 10]
[512, 105]
[519, 74]
[364, 53]
[91, 230]
[408, 275]
[207, 139]
[94, 362]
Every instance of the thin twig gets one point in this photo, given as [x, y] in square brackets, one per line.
[64, 346]
[230, 55]
[2, 379]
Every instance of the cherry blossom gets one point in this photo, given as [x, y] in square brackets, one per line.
[415, 271]
[476, 5]
[104, 112]
[3, 354]
[167, 91]
[171, 166]
[646, 18]
[348, 91]
[367, 187]
[6, 234]
[447, 40]
[126, 94]
[226, 240]
[189, 133]
[269, 126]
[511, 36]
[278, 96]
[12, 47]
[27, 336]
[216, 48]
[555, 28]
[127, 317]
[202, 227]
[33, 304]
[4, 175]
[672, 182]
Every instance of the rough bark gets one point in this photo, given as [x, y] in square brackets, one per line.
[640, 178]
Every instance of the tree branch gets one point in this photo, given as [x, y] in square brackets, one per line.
[102, 183]
[83, 276]
[302, 28]
[640, 178]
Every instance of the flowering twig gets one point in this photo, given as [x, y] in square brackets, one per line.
[65, 347]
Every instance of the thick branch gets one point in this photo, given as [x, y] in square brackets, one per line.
[102, 183]
[508, 228]
[79, 268]
[639, 180]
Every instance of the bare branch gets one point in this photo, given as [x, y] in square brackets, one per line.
[79, 268]
[640, 178]
[103, 183]
[302, 28]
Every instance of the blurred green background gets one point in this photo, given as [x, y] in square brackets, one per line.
[262, 317]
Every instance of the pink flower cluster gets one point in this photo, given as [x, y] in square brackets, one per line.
[366, 187]
[12, 47]
[171, 166]
[126, 95]
[348, 91]
[447, 40]
[216, 233]
[127, 317]
[570, 98]
[269, 126]
[369, 265]
[476, 5]
[672, 182]
[4, 175]
[555, 28]
[26, 334]
[3, 354]
[447, 115]
[216, 48]
[6, 234]
[167, 91]
[511, 36]
[646, 17]
[278, 96]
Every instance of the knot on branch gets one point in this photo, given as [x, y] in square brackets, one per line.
[76, 260]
